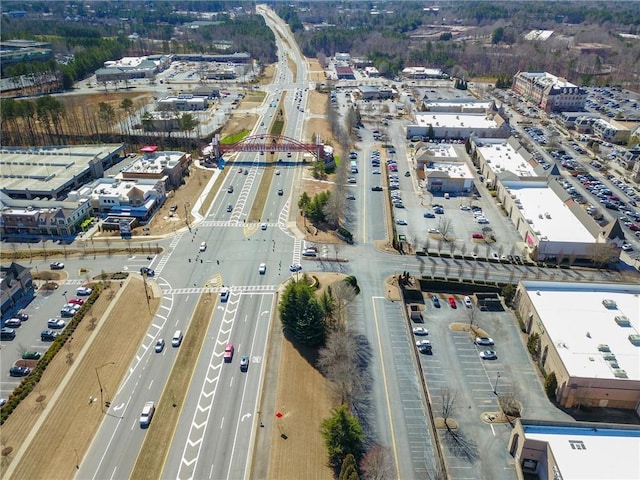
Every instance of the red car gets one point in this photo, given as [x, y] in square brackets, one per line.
[76, 301]
[228, 353]
[477, 235]
[634, 227]
[452, 302]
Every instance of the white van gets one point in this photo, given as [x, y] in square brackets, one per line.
[203, 246]
[177, 339]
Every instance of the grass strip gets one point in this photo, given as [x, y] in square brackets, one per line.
[152, 457]
[236, 137]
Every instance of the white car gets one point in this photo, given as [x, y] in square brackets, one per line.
[83, 291]
[203, 246]
[263, 226]
[488, 355]
[467, 302]
[262, 269]
[400, 221]
[420, 331]
[485, 341]
[296, 267]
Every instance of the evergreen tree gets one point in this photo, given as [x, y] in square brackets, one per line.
[343, 435]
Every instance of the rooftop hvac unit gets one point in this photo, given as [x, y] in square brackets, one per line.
[609, 357]
[620, 373]
[603, 347]
[634, 339]
[609, 304]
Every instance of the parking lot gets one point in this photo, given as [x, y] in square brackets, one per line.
[45, 306]
[457, 376]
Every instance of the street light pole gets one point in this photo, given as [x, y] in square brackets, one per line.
[495, 385]
[100, 383]
[66, 300]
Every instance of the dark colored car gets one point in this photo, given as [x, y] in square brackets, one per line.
[19, 371]
[12, 322]
[436, 301]
[149, 272]
[244, 363]
[48, 335]
[33, 355]
[377, 188]
[7, 333]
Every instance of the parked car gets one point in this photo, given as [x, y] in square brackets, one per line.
[420, 331]
[84, 291]
[31, 355]
[23, 317]
[16, 371]
[429, 215]
[485, 341]
[401, 221]
[376, 188]
[467, 302]
[56, 323]
[244, 363]
[48, 335]
[76, 301]
[56, 265]
[435, 300]
[7, 333]
[12, 323]
[149, 272]
[488, 355]
[452, 302]
[424, 346]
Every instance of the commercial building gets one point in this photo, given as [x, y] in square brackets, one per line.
[183, 103]
[128, 68]
[125, 198]
[421, 73]
[575, 450]
[16, 283]
[462, 106]
[588, 336]
[552, 226]
[41, 217]
[443, 171]
[376, 93]
[52, 172]
[169, 166]
[549, 92]
[457, 126]
[611, 130]
[503, 159]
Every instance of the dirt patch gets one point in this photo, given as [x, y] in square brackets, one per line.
[315, 72]
[440, 425]
[318, 126]
[465, 327]
[317, 103]
[302, 398]
[62, 434]
[239, 122]
[392, 291]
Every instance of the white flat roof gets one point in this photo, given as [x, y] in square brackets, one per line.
[501, 156]
[454, 120]
[608, 452]
[577, 322]
[548, 215]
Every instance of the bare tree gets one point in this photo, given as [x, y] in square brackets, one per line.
[336, 362]
[445, 226]
[343, 294]
[449, 400]
[377, 464]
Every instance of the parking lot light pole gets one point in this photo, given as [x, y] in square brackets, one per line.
[100, 383]
[495, 385]
[64, 294]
